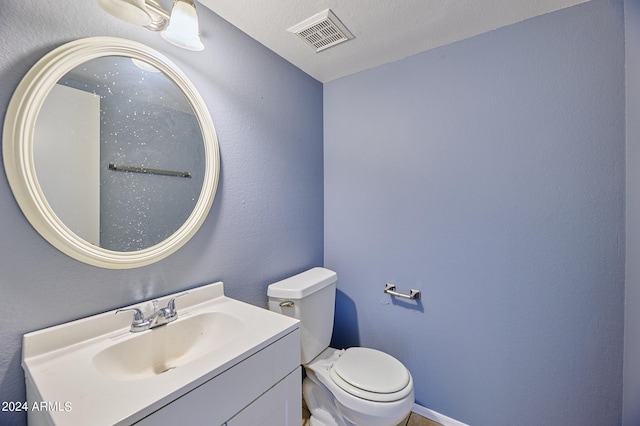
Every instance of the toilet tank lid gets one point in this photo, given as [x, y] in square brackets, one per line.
[302, 284]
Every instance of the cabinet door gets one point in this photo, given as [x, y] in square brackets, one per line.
[279, 406]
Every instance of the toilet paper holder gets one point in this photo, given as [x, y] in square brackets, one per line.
[391, 290]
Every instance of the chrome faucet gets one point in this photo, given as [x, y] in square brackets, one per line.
[159, 317]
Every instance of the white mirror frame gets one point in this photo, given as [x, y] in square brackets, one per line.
[18, 144]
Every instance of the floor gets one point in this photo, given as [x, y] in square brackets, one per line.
[412, 419]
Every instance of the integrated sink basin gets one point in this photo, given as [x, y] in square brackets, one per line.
[98, 372]
[164, 348]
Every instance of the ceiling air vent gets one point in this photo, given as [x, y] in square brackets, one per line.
[322, 31]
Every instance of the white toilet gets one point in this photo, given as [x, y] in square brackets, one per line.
[357, 386]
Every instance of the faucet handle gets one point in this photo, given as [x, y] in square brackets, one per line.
[171, 306]
[138, 316]
[169, 311]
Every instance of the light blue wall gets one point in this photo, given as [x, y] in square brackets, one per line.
[632, 296]
[267, 219]
[490, 175]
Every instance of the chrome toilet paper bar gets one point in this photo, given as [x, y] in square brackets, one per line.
[391, 289]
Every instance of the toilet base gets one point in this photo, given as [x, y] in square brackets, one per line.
[326, 410]
[321, 405]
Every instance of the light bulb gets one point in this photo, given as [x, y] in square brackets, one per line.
[183, 27]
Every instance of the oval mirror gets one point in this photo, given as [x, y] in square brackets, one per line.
[111, 152]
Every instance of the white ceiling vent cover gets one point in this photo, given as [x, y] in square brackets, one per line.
[322, 31]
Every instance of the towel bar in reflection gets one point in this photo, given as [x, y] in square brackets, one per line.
[149, 171]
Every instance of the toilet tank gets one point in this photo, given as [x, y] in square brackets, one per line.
[310, 297]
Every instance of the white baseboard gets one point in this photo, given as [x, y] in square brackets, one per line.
[435, 416]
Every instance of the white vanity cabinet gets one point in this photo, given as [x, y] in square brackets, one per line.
[220, 362]
[279, 406]
[263, 389]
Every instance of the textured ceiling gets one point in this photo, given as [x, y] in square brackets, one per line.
[384, 30]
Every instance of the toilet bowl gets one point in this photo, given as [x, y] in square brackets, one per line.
[368, 387]
[356, 386]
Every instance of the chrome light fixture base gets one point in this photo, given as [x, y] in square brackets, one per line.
[159, 16]
[131, 11]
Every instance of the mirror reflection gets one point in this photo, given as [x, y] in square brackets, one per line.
[119, 153]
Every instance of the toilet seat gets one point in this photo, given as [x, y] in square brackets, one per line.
[371, 374]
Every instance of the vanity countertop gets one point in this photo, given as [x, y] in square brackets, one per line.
[63, 370]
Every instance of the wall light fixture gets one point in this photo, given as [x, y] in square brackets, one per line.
[180, 27]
